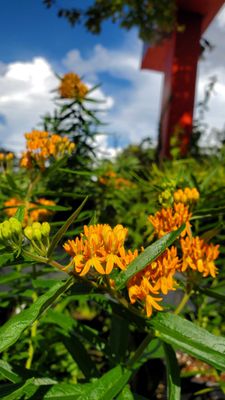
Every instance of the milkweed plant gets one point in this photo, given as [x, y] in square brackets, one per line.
[84, 308]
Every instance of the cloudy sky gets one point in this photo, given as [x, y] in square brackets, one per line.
[35, 45]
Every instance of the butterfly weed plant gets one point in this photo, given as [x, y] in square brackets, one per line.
[90, 298]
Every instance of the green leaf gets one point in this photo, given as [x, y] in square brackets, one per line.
[126, 394]
[80, 355]
[8, 373]
[109, 385]
[145, 258]
[58, 236]
[9, 277]
[190, 338]
[20, 390]
[65, 391]
[215, 293]
[5, 258]
[20, 212]
[119, 335]
[12, 329]
[173, 373]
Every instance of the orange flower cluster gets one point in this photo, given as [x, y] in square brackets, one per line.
[72, 87]
[196, 254]
[100, 247]
[199, 256]
[187, 195]
[170, 219]
[35, 214]
[111, 177]
[43, 145]
[156, 277]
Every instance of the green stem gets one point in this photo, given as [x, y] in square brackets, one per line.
[183, 302]
[31, 347]
[140, 350]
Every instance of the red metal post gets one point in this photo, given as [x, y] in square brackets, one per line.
[179, 83]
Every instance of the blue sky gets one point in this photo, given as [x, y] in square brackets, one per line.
[35, 43]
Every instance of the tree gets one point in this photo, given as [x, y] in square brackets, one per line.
[153, 18]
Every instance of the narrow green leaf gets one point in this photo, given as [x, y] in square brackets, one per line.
[8, 373]
[190, 338]
[20, 391]
[65, 391]
[126, 394]
[58, 236]
[80, 355]
[20, 212]
[215, 293]
[119, 334]
[9, 277]
[12, 329]
[145, 258]
[173, 373]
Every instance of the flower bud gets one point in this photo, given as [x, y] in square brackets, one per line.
[15, 225]
[36, 234]
[28, 232]
[6, 230]
[36, 225]
[45, 229]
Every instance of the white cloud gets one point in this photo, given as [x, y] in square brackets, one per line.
[136, 108]
[25, 96]
[132, 99]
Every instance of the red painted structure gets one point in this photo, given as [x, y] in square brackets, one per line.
[177, 56]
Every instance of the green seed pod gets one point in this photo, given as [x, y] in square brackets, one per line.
[28, 232]
[36, 225]
[36, 234]
[45, 229]
[15, 225]
[6, 230]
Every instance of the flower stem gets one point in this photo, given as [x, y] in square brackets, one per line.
[183, 302]
[140, 350]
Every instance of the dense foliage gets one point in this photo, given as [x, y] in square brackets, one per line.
[154, 19]
[112, 272]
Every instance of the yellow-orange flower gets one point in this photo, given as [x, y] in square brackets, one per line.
[199, 256]
[72, 87]
[156, 277]
[40, 146]
[32, 212]
[100, 247]
[187, 195]
[111, 178]
[170, 219]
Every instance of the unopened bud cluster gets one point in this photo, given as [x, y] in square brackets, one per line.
[187, 195]
[38, 235]
[6, 160]
[11, 234]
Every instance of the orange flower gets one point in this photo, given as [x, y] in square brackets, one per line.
[156, 277]
[43, 145]
[100, 247]
[72, 87]
[199, 256]
[111, 178]
[38, 214]
[170, 219]
[187, 195]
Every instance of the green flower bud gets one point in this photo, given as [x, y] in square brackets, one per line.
[36, 234]
[36, 225]
[45, 229]
[15, 225]
[6, 230]
[28, 232]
